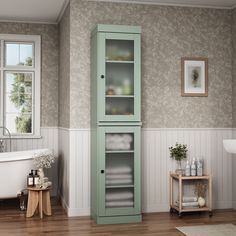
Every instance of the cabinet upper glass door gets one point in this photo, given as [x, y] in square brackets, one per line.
[121, 85]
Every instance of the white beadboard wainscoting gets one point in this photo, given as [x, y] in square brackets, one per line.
[49, 139]
[74, 147]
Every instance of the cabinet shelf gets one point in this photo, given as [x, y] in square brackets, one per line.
[120, 186]
[119, 61]
[120, 151]
[119, 96]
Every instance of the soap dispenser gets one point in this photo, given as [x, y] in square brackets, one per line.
[30, 179]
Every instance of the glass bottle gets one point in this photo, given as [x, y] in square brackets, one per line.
[193, 168]
[187, 169]
[199, 168]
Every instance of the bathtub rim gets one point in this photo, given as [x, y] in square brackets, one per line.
[20, 155]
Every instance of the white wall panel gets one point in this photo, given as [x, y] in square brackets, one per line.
[156, 165]
[49, 140]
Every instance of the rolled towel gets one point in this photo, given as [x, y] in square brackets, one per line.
[127, 138]
[119, 181]
[189, 199]
[117, 176]
[120, 204]
[189, 204]
[126, 195]
[119, 170]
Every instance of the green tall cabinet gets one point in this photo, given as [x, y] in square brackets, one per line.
[115, 124]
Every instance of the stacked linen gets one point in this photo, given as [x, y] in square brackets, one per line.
[189, 202]
[119, 175]
[120, 198]
[118, 141]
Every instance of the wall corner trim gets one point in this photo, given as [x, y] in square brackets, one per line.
[61, 13]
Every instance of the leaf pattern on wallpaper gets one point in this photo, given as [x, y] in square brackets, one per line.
[168, 33]
[49, 64]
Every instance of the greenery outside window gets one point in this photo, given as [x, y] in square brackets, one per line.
[20, 85]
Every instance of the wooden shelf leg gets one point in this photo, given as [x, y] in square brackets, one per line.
[47, 210]
[33, 201]
[40, 204]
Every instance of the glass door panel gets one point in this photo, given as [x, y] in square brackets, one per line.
[119, 171]
[119, 106]
[119, 79]
[120, 74]
[119, 50]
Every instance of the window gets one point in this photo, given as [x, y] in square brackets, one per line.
[20, 85]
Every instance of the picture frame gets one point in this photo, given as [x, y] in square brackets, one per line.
[194, 77]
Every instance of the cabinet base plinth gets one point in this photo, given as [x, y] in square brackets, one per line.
[118, 219]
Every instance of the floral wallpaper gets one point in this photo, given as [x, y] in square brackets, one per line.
[64, 70]
[168, 33]
[49, 70]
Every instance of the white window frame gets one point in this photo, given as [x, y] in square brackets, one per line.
[35, 69]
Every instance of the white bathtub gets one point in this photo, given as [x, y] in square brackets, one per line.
[14, 168]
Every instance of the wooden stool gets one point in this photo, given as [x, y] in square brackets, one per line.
[39, 198]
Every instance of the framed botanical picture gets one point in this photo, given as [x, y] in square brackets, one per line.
[194, 77]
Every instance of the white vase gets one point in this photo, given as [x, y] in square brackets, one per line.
[41, 173]
[201, 202]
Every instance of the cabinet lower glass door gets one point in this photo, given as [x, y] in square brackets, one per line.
[119, 178]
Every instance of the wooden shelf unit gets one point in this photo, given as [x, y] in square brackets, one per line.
[180, 179]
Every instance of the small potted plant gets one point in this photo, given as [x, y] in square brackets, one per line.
[179, 153]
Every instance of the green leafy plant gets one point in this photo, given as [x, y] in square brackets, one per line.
[179, 152]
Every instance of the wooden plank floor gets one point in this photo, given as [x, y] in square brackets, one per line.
[13, 222]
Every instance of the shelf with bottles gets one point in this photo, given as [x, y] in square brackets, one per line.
[119, 106]
[120, 80]
[119, 50]
[188, 198]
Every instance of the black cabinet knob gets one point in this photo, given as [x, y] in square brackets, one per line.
[102, 171]
[102, 76]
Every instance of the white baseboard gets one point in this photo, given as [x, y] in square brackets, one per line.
[64, 204]
[78, 212]
[74, 211]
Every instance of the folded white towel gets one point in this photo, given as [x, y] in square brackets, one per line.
[119, 181]
[118, 141]
[118, 146]
[120, 204]
[126, 195]
[127, 138]
[118, 176]
[119, 170]
[188, 204]
[189, 199]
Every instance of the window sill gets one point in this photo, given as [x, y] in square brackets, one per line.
[22, 137]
